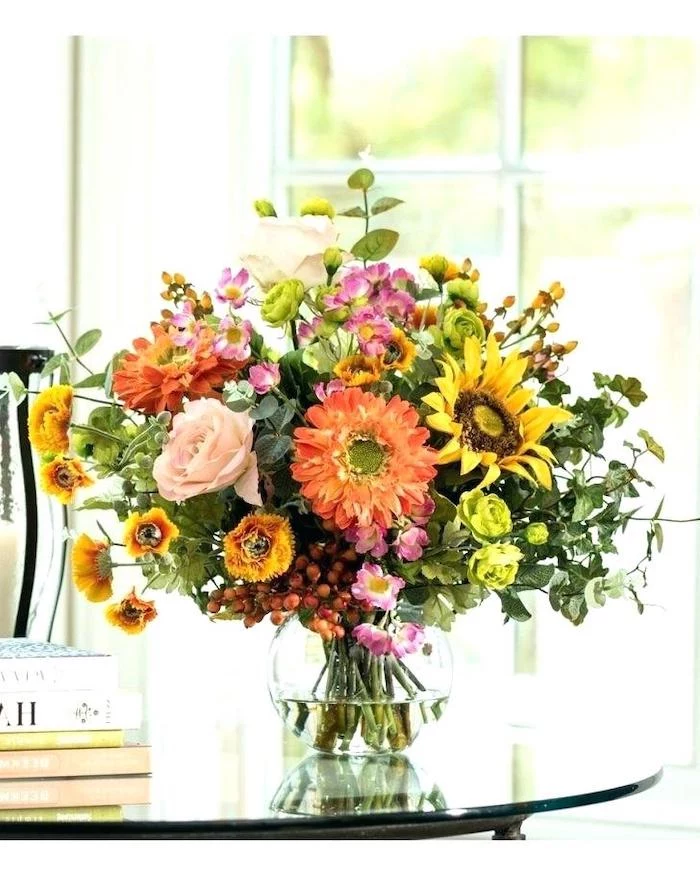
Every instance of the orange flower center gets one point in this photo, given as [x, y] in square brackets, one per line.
[232, 292]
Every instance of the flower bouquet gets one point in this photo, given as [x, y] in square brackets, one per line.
[357, 451]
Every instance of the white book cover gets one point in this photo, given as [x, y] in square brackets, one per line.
[29, 665]
[69, 711]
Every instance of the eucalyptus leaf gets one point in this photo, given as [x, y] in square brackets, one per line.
[87, 341]
[375, 245]
[384, 204]
[354, 212]
[95, 380]
[267, 406]
[54, 363]
[361, 180]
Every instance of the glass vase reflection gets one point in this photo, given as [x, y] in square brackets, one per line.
[32, 548]
[340, 699]
[326, 785]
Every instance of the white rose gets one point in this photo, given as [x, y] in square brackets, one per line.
[290, 248]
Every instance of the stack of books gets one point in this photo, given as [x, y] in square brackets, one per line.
[63, 750]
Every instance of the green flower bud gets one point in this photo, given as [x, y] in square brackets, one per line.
[436, 265]
[460, 324]
[537, 533]
[332, 260]
[317, 206]
[265, 209]
[337, 315]
[486, 516]
[82, 443]
[463, 289]
[319, 296]
[282, 302]
[494, 566]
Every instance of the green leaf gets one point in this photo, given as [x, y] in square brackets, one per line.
[267, 406]
[361, 180]
[95, 380]
[628, 386]
[87, 341]
[437, 609]
[65, 372]
[354, 212]
[375, 245]
[554, 391]
[281, 417]
[535, 576]
[651, 444]
[512, 606]
[14, 385]
[53, 363]
[384, 204]
[57, 318]
[270, 448]
[97, 504]
[659, 535]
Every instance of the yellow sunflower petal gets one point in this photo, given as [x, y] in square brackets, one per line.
[517, 468]
[540, 468]
[443, 422]
[517, 400]
[538, 449]
[470, 460]
[539, 419]
[450, 452]
[435, 400]
[493, 359]
[493, 471]
[508, 376]
[472, 358]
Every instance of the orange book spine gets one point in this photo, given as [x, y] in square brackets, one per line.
[87, 792]
[27, 764]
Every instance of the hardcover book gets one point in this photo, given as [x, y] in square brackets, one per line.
[29, 665]
[60, 740]
[18, 765]
[71, 792]
[68, 711]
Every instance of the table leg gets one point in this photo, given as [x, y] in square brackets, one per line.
[510, 831]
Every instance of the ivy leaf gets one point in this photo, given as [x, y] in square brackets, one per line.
[375, 245]
[95, 380]
[87, 341]
[354, 212]
[437, 609]
[384, 204]
[651, 444]
[512, 606]
[628, 386]
[361, 180]
[554, 391]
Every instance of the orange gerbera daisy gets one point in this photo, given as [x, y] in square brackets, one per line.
[159, 374]
[62, 477]
[364, 460]
[359, 370]
[259, 548]
[150, 532]
[131, 614]
[92, 568]
[49, 418]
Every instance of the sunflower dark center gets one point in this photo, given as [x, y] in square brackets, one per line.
[148, 534]
[103, 564]
[365, 455]
[64, 477]
[487, 425]
[256, 545]
[131, 612]
[393, 352]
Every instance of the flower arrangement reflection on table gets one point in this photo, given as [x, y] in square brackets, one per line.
[395, 443]
[324, 785]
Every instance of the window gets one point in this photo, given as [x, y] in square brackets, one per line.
[542, 159]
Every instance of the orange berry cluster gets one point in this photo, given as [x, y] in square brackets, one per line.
[318, 583]
[179, 290]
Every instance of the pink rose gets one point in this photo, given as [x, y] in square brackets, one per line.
[209, 448]
[264, 377]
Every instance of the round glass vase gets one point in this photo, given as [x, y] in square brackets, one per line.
[340, 699]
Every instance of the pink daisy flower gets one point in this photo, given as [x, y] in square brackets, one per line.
[408, 639]
[354, 290]
[264, 377]
[376, 640]
[372, 586]
[372, 329]
[233, 290]
[368, 538]
[324, 390]
[233, 340]
[394, 303]
[184, 327]
[410, 542]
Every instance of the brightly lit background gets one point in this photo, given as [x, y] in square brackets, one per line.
[540, 158]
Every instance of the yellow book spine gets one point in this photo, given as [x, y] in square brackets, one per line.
[110, 813]
[61, 740]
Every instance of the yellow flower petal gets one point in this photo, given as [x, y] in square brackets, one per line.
[442, 422]
[435, 400]
[493, 471]
[470, 460]
[450, 452]
[515, 402]
[493, 359]
[540, 469]
[539, 419]
[472, 358]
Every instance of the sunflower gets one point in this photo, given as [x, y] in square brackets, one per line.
[49, 418]
[364, 461]
[92, 568]
[359, 369]
[259, 548]
[159, 374]
[425, 315]
[62, 477]
[131, 614]
[482, 408]
[149, 532]
[400, 352]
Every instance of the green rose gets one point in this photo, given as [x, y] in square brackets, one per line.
[463, 289]
[317, 206]
[536, 533]
[460, 324]
[282, 302]
[486, 516]
[494, 566]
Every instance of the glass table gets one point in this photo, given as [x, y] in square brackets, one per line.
[214, 778]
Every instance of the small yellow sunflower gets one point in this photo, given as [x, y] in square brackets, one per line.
[482, 408]
[359, 370]
[49, 419]
[400, 352]
[92, 568]
[259, 548]
[150, 532]
[62, 477]
[131, 614]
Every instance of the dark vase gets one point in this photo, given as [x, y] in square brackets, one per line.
[32, 545]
